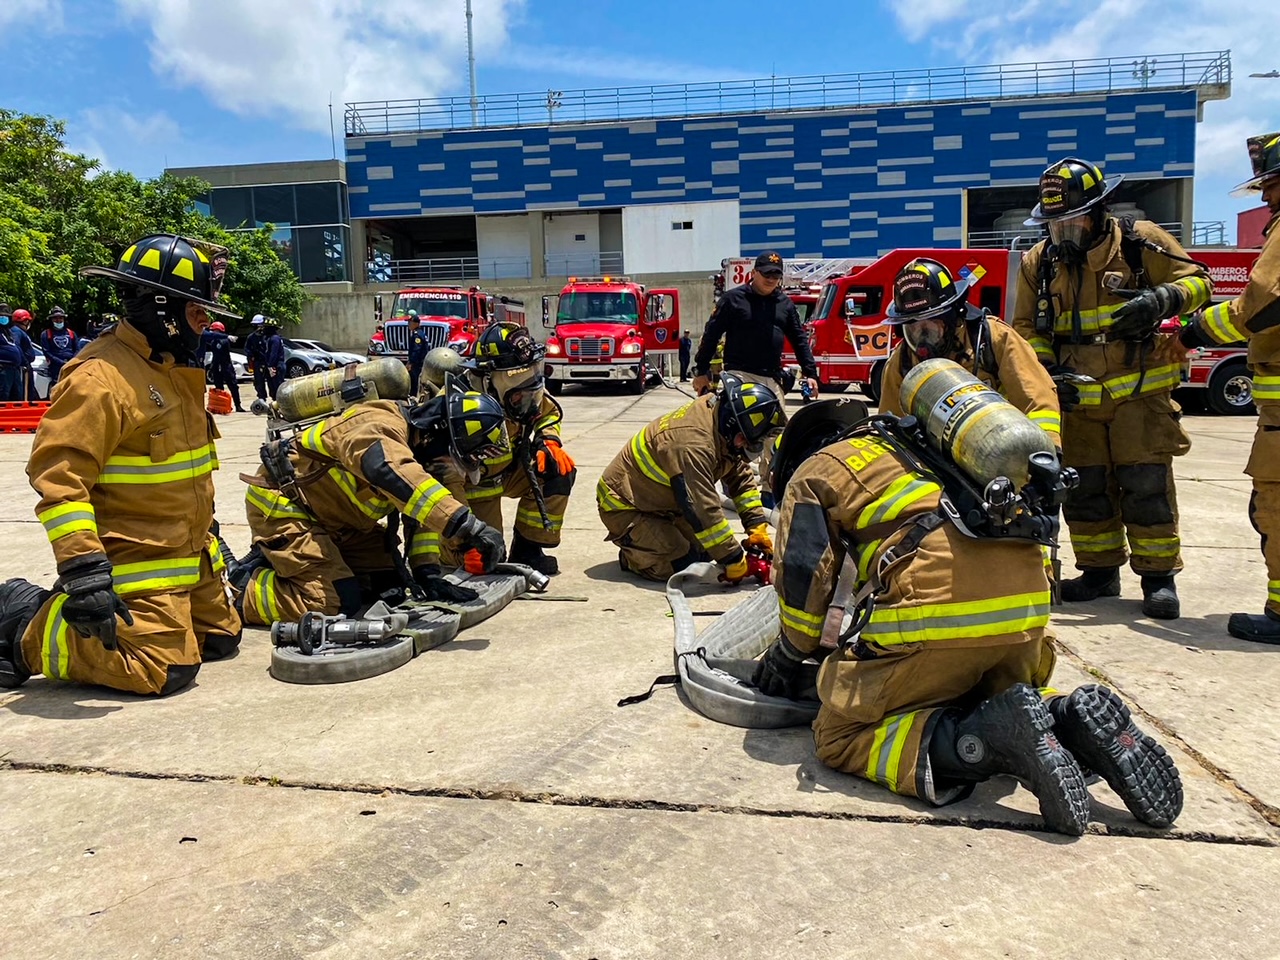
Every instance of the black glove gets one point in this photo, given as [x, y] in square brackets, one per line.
[778, 672]
[472, 533]
[1140, 317]
[436, 587]
[92, 604]
[1068, 392]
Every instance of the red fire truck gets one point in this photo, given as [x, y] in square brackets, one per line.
[451, 317]
[1221, 372]
[609, 330]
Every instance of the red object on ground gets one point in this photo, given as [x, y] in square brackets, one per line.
[219, 401]
[21, 416]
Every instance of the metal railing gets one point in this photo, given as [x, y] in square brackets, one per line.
[1209, 233]
[583, 264]
[451, 269]
[1209, 69]
[1027, 237]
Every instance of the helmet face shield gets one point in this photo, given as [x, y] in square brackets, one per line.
[520, 390]
[1074, 231]
[928, 338]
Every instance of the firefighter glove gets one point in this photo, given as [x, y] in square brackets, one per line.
[778, 672]
[92, 603]
[435, 587]
[552, 459]
[1068, 392]
[734, 570]
[475, 534]
[1140, 317]
[758, 536]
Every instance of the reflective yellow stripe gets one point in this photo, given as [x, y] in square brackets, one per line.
[885, 759]
[903, 492]
[1097, 542]
[273, 505]
[424, 543]
[54, 655]
[1217, 324]
[607, 501]
[1092, 321]
[155, 575]
[1043, 347]
[182, 466]
[1266, 388]
[312, 440]
[424, 499]
[714, 535]
[800, 621]
[646, 462]
[959, 620]
[487, 492]
[533, 518]
[750, 500]
[1047, 420]
[67, 518]
[375, 507]
[1273, 591]
[498, 463]
[866, 555]
[1163, 377]
[1196, 292]
[263, 589]
[1090, 394]
[216, 558]
[1154, 546]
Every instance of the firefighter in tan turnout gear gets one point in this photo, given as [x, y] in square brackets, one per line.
[659, 498]
[1090, 301]
[1255, 316]
[931, 306]
[536, 471]
[933, 686]
[316, 507]
[123, 463]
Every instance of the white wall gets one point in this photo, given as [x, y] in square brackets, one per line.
[650, 245]
[565, 253]
[499, 242]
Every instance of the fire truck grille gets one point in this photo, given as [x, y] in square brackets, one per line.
[591, 347]
[397, 336]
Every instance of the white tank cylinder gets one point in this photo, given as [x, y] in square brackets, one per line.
[318, 394]
[983, 433]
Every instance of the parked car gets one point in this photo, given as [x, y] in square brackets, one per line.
[309, 356]
[238, 361]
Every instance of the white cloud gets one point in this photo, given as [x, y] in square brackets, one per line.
[284, 58]
[48, 12]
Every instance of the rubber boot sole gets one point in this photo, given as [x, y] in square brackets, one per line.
[1254, 628]
[1099, 730]
[1018, 730]
[1161, 603]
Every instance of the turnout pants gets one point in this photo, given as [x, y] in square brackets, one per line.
[174, 628]
[1124, 454]
[650, 543]
[485, 501]
[878, 714]
[1264, 503]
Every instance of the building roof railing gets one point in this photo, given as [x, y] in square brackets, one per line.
[1207, 72]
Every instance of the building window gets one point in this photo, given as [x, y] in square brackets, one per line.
[233, 206]
[322, 254]
[579, 238]
[274, 204]
[681, 224]
[319, 203]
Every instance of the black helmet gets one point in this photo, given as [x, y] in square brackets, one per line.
[1069, 188]
[748, 408]
[1264, 156]
[477, 426]
[507, 346]
[923, 289]
[812, 428]
[190, 270]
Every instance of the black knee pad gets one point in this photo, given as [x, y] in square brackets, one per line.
[217, 646]
[1144, 496]
[350, 596]
[560, 484]
[177, 676]
[1253, 519]
[1089, 503]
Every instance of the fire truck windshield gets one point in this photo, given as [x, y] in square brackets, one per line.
[606, 307]
[454, 306]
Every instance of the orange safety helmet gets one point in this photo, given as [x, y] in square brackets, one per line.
[218, 325]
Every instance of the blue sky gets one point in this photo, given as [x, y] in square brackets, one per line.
[145, 84]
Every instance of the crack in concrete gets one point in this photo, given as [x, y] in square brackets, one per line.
[583, 801]
[1266, 811]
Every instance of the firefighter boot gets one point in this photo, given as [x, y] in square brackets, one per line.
[1012, 733]
[19, 602]
[1259, 629]
[530, 554]
[1095, 725]
[1093, 583]
[1160, 597]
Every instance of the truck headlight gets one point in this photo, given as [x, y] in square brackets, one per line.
[632, 348]
[553, 349]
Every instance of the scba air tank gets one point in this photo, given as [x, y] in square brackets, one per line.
[321, 394]
[983, 433]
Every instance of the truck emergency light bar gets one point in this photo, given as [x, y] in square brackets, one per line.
[599, 280]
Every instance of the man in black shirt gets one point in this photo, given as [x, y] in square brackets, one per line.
[754, 319]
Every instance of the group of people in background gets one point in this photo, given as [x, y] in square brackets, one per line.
[18, 351]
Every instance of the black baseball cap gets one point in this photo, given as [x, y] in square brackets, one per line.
[57, 312]
[769, 264]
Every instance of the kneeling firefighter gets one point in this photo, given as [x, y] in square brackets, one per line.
[315, 506]
[123, 462]
[659, 500]
[911, 566]
[536, 471]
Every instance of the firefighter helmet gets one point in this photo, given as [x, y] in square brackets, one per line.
[813, 427]
[477, 426]
[508, 346]
[1069, 188]
[21, 316]
[440, 363]
[749, 408]
[923, 289]
[1264, 156]
[189, 270]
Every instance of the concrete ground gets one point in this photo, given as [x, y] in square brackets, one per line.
[490, 800]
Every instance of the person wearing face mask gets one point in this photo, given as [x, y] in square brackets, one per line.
[318, 544]
[536, 472]
[659, 498]
[1090, 301]
[22, 325]
[13, 359]
[123, 461]
[59, 344]
[930, 307]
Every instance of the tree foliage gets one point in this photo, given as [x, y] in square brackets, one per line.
[59, 211]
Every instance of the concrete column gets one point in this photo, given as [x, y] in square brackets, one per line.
[357, 254]
[1186, 207]
[537, 247]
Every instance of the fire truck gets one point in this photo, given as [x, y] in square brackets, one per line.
[1220, 375]
[451, 317]
[609, 330]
